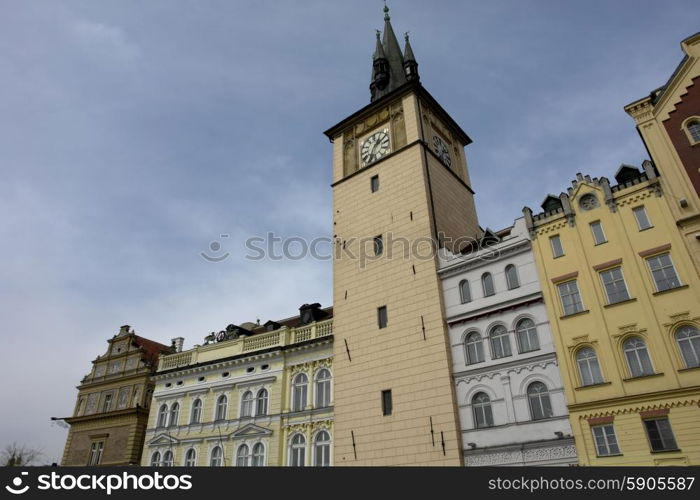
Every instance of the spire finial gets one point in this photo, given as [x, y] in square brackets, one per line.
[386, 12]
[405, 36]
[379, 34]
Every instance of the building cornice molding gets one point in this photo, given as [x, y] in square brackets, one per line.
[522, 301]
[465, 263]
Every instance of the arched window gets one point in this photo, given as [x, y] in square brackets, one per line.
[540, 405]
[694, 130]
[512, 277]
[588, 367]
[196, 411]
[465, 292]
[247, 404]
[688, 338]
[500, 343]
[162, 416]
[168, 459]
[243, 456]
[526, 332]
[637, 356]
[190, 458]
[481, 407]
[258, 455]
[487, 284]
[155, 459]
[323, 388]
[322, 449]
[217, 457]
[299, 391]
[297, 451]
[221, 407]
[261, 402]
[475, 348]
[174, 414]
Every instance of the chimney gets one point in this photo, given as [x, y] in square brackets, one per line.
[177, 343]
[124, 330]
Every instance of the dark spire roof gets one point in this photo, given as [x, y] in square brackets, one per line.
[396, 75]
[408, 51]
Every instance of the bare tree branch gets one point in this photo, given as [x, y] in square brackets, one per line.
[14, 455]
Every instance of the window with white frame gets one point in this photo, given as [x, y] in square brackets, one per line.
[221, 407]
[614, 284]
[168, 459]
[174, 414]
[474, 348]
[500, 342]
[190, 458]
[526, 332]
[693, 131]
[588, 367]
[322, 449]
[540, 404]
[660, 434]
[688, 339]
[640, 215]
[323, 388]
[96, 449]
[465, 293]
[512, 279]
[300, 386]
[637, 356]
[663, 272]
[247, 404]
[557, 247]
[570, 297]
[297, 451]
[261, 402]
[217, 457]
[487, 284]
[162, 416]
[481, 409]
[598, 234]
[258, 455]
[196, 416]
[155, 459]
[243, 456]
[605, 440]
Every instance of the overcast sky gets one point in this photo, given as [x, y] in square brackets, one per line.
[133, 134]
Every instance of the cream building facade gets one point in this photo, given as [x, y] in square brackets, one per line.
[510, 395]
[400, 185]
[250, 396]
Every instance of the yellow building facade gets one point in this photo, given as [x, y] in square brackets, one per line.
[624, 304]
[250, 396]
[668, 120]
[111, 412]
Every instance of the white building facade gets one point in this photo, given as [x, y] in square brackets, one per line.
[509, 392]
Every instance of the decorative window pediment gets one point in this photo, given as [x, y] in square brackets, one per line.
[163, 439]
[251, 430]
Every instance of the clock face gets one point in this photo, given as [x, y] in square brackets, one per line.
[375, 147]
[442, 150]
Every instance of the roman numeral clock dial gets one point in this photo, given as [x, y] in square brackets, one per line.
[375, 147]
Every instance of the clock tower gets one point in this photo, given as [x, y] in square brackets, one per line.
[401, 190]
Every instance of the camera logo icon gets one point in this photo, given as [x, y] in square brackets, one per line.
[17, 483]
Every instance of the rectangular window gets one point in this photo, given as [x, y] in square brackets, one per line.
[642, 220]
[570, 298]
[374, 183]
[378, 245]
[598, 234]
[605, 440]
[106, 406]
[660, 434]
[386, 402]
[557, 248]
[382, 317]
[614, 284]
[96, 452]
[663, 272]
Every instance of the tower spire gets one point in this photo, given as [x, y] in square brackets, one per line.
[394, 68]
[410, 65]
